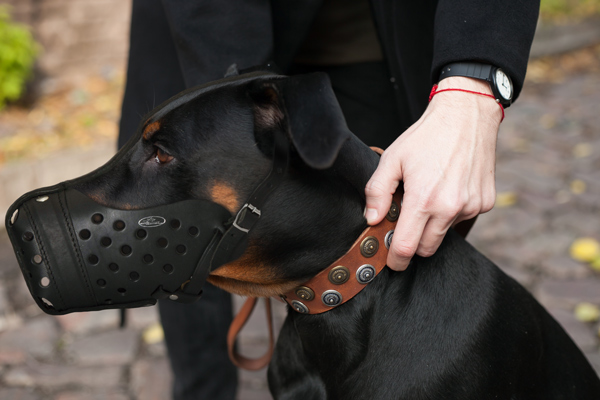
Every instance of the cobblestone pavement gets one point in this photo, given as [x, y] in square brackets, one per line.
[549, 195]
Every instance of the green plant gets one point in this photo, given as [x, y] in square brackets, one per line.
[17, 55]
[565, 9]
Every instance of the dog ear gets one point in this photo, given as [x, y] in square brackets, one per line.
[306, 107]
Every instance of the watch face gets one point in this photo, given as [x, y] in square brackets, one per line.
[504, 85]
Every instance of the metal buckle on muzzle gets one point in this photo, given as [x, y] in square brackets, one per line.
[78, 255]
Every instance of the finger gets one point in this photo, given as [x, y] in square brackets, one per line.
[407, 236]
[433, 234]
[379, 191]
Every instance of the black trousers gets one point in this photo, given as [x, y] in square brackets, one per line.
[195, 334]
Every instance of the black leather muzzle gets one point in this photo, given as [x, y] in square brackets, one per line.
[78, 255]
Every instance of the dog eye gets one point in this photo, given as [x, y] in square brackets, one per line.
[161, 157]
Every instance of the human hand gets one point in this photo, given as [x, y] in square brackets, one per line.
[447, 163]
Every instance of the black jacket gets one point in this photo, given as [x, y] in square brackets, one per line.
[198, 41]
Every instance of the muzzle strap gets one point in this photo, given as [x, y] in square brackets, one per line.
[234, 241]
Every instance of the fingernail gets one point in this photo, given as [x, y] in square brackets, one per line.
[371, 215]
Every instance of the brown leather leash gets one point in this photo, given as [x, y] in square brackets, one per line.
[252, 364]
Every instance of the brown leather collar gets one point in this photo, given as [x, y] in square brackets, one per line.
[349, 274]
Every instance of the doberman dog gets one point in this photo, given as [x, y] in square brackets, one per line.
[451, 326]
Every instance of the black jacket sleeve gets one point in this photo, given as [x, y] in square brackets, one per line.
[496, 32]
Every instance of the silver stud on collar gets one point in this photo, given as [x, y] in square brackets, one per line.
[173, 297]
[365, 274]
[388, 239]
[300, 307]
[331, 298]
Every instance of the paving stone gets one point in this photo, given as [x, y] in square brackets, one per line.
[567, 294]
[526, 279]
[582, 334]
[142, 317]
[37, 338]
[86, 322]
[253, 394]
[8, 318]
[594, 359]
[510, 223]
[256, 380]
[19, 394]
[563, 267]
[535, 249]
[577, 222]
[52, 376]
[151, 379]
[114, 347]
[97, 394]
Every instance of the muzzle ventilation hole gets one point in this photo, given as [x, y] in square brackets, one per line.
[28, 236]
[193, 231]
[45, 281]
[47, 302]
[97, 219]
[119, 225]
[168, 269]
[85, 234]
[162, 242]
[175, 224]
[93, 259]
[126, 250]
[134, 276]
[181, 249]
[14, 217]
[101, 282]
[113, 267]
[148, 259]
[105, 241]
[141, 234]
[122, 291]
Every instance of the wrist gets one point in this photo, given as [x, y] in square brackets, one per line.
[461, 82]
[471, 96]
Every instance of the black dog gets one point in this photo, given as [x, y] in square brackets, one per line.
[452, 326]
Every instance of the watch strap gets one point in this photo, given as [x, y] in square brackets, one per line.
[468, 69]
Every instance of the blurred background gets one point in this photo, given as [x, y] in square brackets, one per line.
[62, 65]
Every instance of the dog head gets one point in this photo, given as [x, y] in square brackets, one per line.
[146, 218]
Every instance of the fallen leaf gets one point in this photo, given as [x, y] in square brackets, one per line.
[585, 249]
[578, 186]
[505, 199]
[587, 312]
[153, 334]
[582, 150]
[595, 264]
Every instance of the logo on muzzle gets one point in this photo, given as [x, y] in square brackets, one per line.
[151, 222]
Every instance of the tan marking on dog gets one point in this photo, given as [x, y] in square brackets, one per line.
[223, 194]
[151, 129]
[243, 288]
[248, 276]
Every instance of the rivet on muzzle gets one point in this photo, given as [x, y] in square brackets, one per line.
[14, 217]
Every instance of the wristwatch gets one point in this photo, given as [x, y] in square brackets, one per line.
[501, 85]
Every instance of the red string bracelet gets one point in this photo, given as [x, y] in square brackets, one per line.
[434, 91]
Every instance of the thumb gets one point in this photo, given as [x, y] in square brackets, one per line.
[379, 192]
